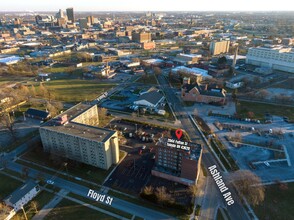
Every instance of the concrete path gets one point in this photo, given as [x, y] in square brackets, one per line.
[50, 205]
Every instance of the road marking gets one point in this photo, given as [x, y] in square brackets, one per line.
[221, 185]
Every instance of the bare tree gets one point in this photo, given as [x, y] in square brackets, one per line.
[34, 206]
[148, 190]
[4, 210]
[54, 108]
[162, 195]
[193, 190]
[33, 91]
[102, 112]
[157, 71]
[7, 121]
[195, 111]
[43, 91]
[249, 186]
[251, 114]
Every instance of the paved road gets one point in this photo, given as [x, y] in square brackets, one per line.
[83, 191]
[78, 189]
[213, 197]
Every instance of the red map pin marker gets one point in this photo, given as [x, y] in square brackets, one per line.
[179, 133]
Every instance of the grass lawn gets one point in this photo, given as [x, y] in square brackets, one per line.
[11, 79]
[76, 90]
[149, 79]
[153, 206]
[278, 203]
[260, 109]
[19, 141]
[7, 185]
[289, 84]
[104, 207]
[67, 209]
[42, 199]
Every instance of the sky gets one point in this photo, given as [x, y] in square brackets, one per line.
[147, 5]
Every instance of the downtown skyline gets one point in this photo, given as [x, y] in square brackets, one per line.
[152, 5]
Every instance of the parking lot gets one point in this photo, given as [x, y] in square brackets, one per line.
[124, 98]
[137, 134]
[269, 147]
[133, 172]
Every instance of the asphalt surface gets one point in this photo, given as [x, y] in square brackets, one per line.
[79, 189]
[213, 198]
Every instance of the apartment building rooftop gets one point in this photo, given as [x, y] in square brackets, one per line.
[82, 130]
[64, 123]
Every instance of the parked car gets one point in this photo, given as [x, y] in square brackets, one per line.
[51, 182]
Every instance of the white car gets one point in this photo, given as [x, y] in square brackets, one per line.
[51, 182]
[267, 163]
[144, 147]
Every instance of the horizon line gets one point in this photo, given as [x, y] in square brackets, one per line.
[286, 10]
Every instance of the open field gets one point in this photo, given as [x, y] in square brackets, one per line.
[76, 90]
[7, 185]
[11, 79]
[150, 79]
[67, 209]
[289, 84]
[260, 109]
[278, 203]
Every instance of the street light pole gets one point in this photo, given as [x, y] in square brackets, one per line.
[24, 212]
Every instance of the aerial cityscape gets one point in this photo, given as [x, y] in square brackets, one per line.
[137, 111]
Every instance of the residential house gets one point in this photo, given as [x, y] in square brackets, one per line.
[21, 197]
[153, 99]
[37, 114]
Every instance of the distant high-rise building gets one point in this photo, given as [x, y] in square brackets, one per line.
[217, 48]
[38, 18]
[17, 21]
[70, 14]
[90, 19]
[61, 22]
[59, 14]
[83, 23]
[141, 37]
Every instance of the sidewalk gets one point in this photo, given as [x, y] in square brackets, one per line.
[50, 205]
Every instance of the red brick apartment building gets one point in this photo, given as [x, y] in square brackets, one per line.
[203, 94]
[178, 165]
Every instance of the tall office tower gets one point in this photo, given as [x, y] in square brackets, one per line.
[90, 19]
[59, 14]
[70, 14]
[217, 48]
[83, 23]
